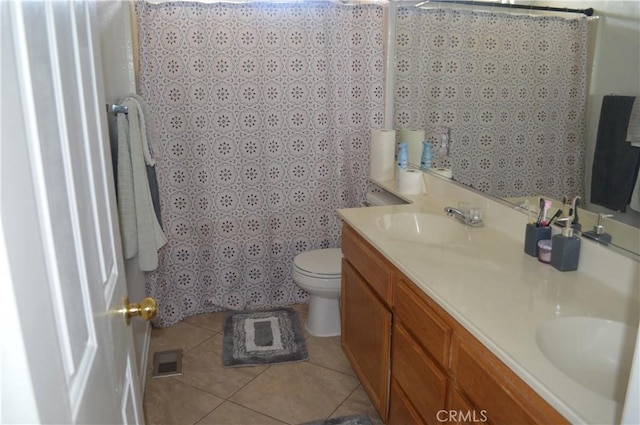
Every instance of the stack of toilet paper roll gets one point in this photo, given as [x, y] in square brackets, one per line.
[410, 182]
[382, 155]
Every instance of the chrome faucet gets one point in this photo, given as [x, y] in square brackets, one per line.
[471, 217]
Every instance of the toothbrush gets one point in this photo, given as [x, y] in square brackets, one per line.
[540, 212]
[547, 205]
[556, 215]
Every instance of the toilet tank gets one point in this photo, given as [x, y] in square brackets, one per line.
[373, 199]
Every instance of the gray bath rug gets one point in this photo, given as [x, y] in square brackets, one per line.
[263, 337]
[344, 420]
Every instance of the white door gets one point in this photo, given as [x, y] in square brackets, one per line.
[67, 353]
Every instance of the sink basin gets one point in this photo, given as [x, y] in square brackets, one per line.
[596, 353]
[422, 228]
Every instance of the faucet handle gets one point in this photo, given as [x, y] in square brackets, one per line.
[475, 214]
[603, 216]
[599, 228]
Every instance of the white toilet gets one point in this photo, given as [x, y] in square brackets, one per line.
[319, 273]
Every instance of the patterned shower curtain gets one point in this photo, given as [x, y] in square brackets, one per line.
[509, 89]
[262, 114]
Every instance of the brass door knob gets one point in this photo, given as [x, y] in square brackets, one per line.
[146, 309]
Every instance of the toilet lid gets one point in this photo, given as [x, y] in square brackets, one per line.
[320, 261]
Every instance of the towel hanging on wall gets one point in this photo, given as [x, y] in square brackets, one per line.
[139, 226]
[615, 163]
[633, 129]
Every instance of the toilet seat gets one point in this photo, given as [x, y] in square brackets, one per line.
[321, 263]
[320, 276]
[317, 281]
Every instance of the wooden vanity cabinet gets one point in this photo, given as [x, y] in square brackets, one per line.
[427, 368]
[366, 316]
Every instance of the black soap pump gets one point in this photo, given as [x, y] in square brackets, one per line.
[565, 248]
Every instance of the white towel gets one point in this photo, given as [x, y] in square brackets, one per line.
[633, 129]
[141, 232]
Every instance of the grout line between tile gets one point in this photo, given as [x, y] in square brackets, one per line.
[205, 415]
[245, 385]
[334, 370]
[255, 411]
[343, 401]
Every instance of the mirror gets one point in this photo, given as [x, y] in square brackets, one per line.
[612, 68]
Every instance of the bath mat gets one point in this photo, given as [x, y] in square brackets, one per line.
[343, 420]
[263, 337]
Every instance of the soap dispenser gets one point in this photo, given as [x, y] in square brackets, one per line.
[598, 232]
[565, 248]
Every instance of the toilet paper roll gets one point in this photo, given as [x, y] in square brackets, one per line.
[444, 172]
[410, 182]
[382, 154]
[414, 139]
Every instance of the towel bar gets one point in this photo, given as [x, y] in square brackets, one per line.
[117, 109]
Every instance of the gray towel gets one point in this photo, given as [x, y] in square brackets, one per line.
[615, 162]
[142, 235]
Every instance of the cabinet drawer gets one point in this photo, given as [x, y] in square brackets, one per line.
[422, 321]
[401, 412]
[419, 377]
[461, 412]
[493, 387]
[374, 268]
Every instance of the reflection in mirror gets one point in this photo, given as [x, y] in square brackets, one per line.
[598, 227]
[519, 95]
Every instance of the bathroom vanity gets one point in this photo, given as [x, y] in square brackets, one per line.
[444, 323]
[436, 366]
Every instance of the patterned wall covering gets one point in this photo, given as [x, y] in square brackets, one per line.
[262, 113]
[511, 89]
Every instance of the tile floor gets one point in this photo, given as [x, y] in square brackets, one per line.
[208, 393]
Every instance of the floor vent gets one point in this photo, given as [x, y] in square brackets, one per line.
[167, 363]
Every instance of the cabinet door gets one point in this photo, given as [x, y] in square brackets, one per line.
[366, 336]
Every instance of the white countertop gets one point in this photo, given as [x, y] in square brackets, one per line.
[501, 295]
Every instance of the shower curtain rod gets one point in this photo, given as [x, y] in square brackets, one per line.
[587, 12]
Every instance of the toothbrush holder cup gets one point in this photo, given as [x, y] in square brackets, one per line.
[532, 236]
